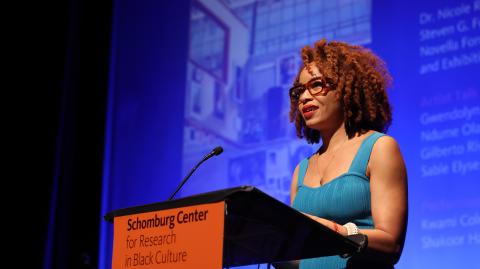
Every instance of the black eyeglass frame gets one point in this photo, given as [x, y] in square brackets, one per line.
[315, 86]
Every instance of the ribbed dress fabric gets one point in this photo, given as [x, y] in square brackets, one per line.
[344, 199]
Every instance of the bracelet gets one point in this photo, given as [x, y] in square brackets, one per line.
[351, 228]
[335, 226]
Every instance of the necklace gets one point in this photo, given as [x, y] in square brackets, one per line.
[329, 162]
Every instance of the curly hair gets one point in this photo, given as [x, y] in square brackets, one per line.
[362, 78]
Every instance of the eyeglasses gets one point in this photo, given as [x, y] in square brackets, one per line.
[315, 86]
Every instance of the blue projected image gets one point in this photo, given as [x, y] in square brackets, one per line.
[207, 42]
[262, 67]
[242, 58]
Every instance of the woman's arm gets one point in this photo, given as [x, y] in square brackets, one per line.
[294, 187]
[389, 198]
[388, 186]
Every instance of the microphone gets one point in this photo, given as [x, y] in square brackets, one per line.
[216, 151]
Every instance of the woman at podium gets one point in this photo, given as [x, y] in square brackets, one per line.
[356, 182]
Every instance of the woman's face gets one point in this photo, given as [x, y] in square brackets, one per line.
[321, 111]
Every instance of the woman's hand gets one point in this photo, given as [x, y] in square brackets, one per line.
[330, 224]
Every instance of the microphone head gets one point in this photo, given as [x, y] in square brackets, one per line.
[217, 150]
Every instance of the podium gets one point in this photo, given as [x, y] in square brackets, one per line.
[226, 228]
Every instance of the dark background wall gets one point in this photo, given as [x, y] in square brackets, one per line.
[61, 58]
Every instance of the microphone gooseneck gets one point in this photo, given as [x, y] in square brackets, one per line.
[215, 152]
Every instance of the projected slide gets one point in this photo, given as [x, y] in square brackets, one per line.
[444, 230]
[243, 57]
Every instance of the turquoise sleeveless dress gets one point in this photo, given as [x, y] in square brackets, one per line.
[344, 199]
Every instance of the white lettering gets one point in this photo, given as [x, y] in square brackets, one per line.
[470, 220]
[471, 128]
[436, 135]
[428, 34]
[462, 168]
[439, 224]
[434, 170]
[466, 113]
[439, 152]
[448, 46]
[448, 13]
[442, 241]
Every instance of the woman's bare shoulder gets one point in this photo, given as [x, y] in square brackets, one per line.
[386, 145]
[386, 155]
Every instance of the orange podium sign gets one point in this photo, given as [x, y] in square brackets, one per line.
[184, 237]
[224, 228]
